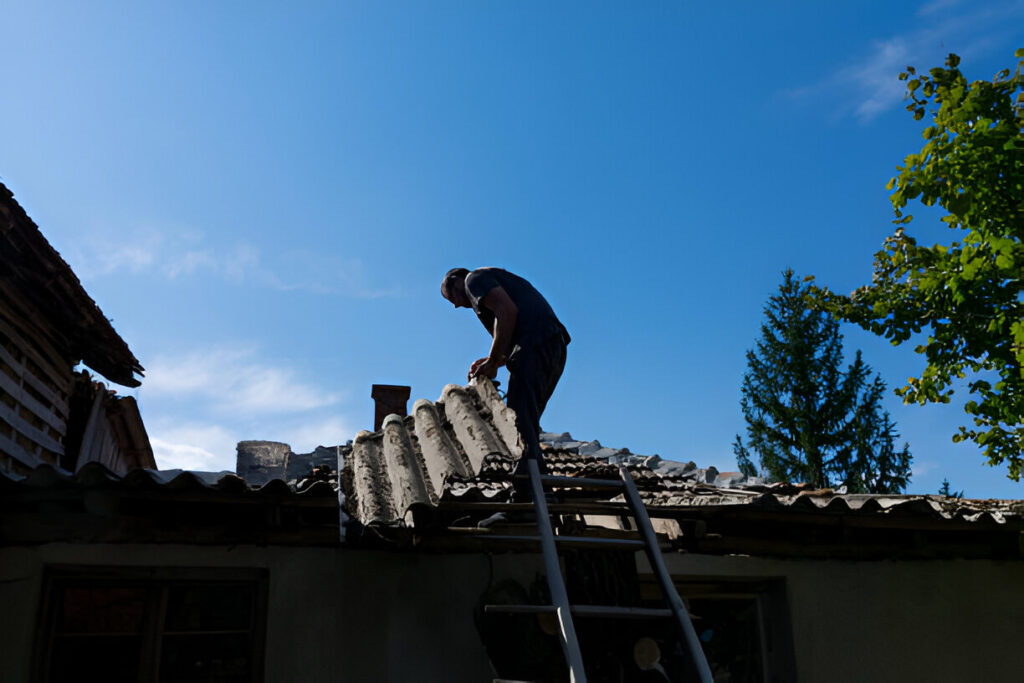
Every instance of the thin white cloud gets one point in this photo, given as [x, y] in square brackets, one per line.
[234, 381]
[199, 405]
[329, 431]
[201, 447]
[107, 257]
[243, 263]
[175, 456]
[920, 468]
[213, 447]
[181, 253]
[936, 6]
[190, 262]
[876, 78]
[868, 84]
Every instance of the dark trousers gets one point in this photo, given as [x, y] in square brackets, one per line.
[533, 373]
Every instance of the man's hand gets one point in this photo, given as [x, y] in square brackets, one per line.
[484, 367]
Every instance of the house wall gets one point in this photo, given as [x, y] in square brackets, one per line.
[932, 620]
[333, 614]
[341, 614]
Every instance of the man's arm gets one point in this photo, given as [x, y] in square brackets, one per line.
[505, 311]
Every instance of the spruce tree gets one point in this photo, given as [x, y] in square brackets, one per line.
[808, 419]
[947, 491]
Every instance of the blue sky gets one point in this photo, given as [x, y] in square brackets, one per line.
[263, 197]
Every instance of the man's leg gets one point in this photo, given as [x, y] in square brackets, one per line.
[532, 379]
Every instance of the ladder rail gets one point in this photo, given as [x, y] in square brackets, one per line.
[559, 595]
[668, 588]
[561, 606]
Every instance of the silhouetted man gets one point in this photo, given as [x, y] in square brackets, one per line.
[526, 337]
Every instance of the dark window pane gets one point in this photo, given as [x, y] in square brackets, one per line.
[101, 610]
[99, 631]
[730, 634]
[206, 659]
[209, 607]
[111, 659]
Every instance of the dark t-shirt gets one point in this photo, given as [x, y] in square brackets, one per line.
[535, 322]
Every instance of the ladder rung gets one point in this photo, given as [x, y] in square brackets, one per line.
[571, 540]
[586, 611]
[577, 482]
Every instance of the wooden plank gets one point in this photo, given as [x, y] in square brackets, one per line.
[53, 366]
[48, 457]
[60, 403]
[92, 433]
[21, 426]
[39, 385]
[580, 507]
[14, 449]
[577, 482]
[8, 358]
[598, 611]
[64, 525]
[17, 323]
[28, 401]
[569, 541]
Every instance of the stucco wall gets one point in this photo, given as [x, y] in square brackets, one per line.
[333, 615]
[935, 620]
[343, 615]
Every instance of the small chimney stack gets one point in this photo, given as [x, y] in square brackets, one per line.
[388, 399]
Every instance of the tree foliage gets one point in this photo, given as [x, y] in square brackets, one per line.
[808, 419]
[968, 293]
[947, 491]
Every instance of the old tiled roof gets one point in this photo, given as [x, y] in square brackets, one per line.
[148, 506]
[705, 488]
[461, 449]
[411, 460]
[94, 475]
[457, 453]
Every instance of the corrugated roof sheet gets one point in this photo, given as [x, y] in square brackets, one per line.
[411, 460]
[463, 446]
[461, 449]
[95, 475]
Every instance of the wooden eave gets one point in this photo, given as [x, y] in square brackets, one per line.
[796, 533]
[44, 283]
[161, 514]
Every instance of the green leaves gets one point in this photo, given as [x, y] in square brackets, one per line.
[969, 294]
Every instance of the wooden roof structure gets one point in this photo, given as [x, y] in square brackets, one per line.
[36, 280]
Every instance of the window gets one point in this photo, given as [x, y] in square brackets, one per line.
[743, 626]
[167, 626]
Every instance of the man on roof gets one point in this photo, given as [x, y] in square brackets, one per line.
[526, 337]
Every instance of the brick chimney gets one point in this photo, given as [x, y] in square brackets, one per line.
[388, 399]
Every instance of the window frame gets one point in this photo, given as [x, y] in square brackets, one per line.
[157, 581]
[774, 625]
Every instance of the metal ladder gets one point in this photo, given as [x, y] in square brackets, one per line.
[561, 607]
